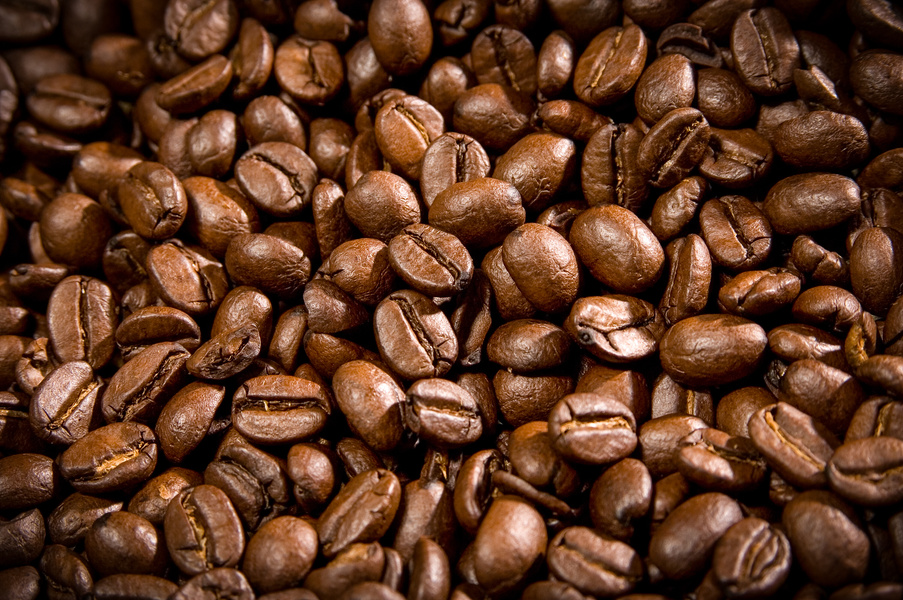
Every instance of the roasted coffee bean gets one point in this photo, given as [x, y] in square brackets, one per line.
[611, 65]
[381, 204]
[122, 585]
[405, 128]
[765, 51]
[875, 417]
[442, 413]
[736, 158]
[110, 458]
[120, 542]
[196, 87]
[571, 118]
[709, 516]
[64, 406]
[82, 319]
[73, 517]
[69, 104]
[414, 337]
[497, 116]
[617, 248]
[865, 471]
[620, 497]
[675, 208]
[795, 445]
[609, 174]
[372, 402]
[810, 202]
[827, 306]
[528, 345]
[138, 391]
[252, 59]
[673, 146]
[659, 437]
[615, 328]
[222, 581]
[718, 461]
[534, 459]
[188, 278]
[200, 29]
[152, 500]
[592, 429]
[153, 200]
[872, 76]
[277, 177]
[526, 543]
[361, 512]
[822, 140]
[74, 230]
[592, 563]
[539, 183]
[431, 261]
[827, 538]
[757, 293]
[752, 557]
[22, 538]
[479, 212]
[66, 573]
[280, 554]
[725, 348]
[279, 409]
[202, 530]
[154, 324]
[268, 263]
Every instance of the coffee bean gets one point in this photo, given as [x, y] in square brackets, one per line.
[279, 409]
[615, 328]
[372, 402]
[752, 541]
[401, 34]
[593, 564]
[110, 458]
[361, 512]
[610, 65]
[203, 531]
[593, 429]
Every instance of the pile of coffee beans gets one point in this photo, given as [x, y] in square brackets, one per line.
[468, 299]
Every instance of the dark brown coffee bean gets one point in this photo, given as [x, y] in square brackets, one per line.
[689, 281]
[279, 409]
[381, 204]
[270, 264]
[64, 407]
[620, 497]
[540, 166]
[497, 116]
[873, 76]
[528, 345]
[405, 128]
[555, 63]
[155, 324]
[202, 530]
[371, 401]
[69, 104]
[414, 337]
[513, 524]
[311, 71]
[795, 445]
[280, 554]
[502, 54]
[223, 582]
[274, 119]
[549, 283]
[100, 166]
[401, 34]
[592, 563]
[735, 409]
[217, 213]
[153, 200]
[877, 250]
[74, 230]
[196, 87]
[138, 391]
[66, 573]
[718, 461]
[442, 413]
[592, 429]
[865, 471]
[252, 59]
[617, 248]
[675, 208]
[188, 278]
[680, 554]
[152, 500]
[200, 29]
[123, 585]
[535, 460]
[610, 65]
[110, 458]
[29, 22]
[827, 306]
[480, 212]
[827, 538]
[737, 233]
[736, 158]
[673, 146]
[225, 354]
[877, 416]
[822, 140]
[668, 83]
[72, 518]
[659, 437]
[120, 542]
[82, 319]
[22, 538]
[725, 348]
[765, 51]
[757, 293]
[571, 118]
[752, 541]
[810, 202]
[361, 512]
[431, 261]
[723, 98]
[615, 328]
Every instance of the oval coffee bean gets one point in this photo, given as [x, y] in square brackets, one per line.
[202, 530]
[442, 413]
[431, 261]
[279, 409]
[592, 429]
[361, 512]
[111, 458]
[712, 349]
[593, 564]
